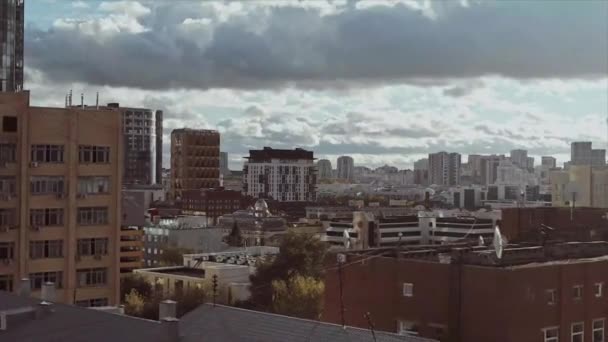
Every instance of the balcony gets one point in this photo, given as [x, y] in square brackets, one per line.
[132, 254]
[131, 233]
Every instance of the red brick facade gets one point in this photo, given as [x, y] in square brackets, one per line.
[456, 302]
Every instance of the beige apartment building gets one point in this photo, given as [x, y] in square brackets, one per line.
[586, 184]
[60, 186]
[195, 160]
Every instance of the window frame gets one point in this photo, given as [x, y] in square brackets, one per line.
[578, 295]
[408, 290]
[599, 286]
[580, 333]
[594, 329]
[551, 338]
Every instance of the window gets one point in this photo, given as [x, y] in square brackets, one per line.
[93, 154]
[578, 332]
[599, 289]
[7, 153]
[577, 292]
[47, 153]
[598, 330]
[551, 334]
[9, 124]
[37, 279]
[6, 282]
[408, 289]
[91, 277]
[93, 185]
[89, 216]
[7, 250]
[46, 217]
[46, 249]
[7, 217]
[8, 185]
[551, 296]
[407, 328]
[47, 185]
[94, 246]
[94, 302]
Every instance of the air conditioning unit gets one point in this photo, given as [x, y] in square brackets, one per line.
[34, 164]
[97, 256]
[35, 228]
[81, 195]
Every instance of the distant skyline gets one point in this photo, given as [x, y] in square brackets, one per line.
[384, 81]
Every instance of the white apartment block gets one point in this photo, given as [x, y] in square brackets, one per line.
[283, 175]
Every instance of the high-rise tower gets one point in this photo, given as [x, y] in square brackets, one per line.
[11, 45]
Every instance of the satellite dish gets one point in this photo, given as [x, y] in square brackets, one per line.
[498, 243]
[346, 239]
[481, 241]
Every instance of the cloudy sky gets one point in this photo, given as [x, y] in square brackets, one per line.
[386, 81]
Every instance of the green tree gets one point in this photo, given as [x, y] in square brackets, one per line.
[235, 238]
[300, 254]
[299, 297]
[135, 282]
[173, 256]
[134, 303]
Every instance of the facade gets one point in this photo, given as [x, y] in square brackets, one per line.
[444, 168]
[159, 147]
[224, 170]
[582, 153]
[462, 292]
[212, 202]
[283, 175]
[474, 162]
[581, 186]
[195, 160]
[489, 168]
[257, 226]
[519, 158]
[60, 213]
[325, 169]
[346, 168]
[367, 230]
[421, 172]
[549, 162]
[530, 163]
[11, 45]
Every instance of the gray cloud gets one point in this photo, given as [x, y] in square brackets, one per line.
[463, 89]
[295, 46]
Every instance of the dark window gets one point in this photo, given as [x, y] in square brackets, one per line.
[9, 124]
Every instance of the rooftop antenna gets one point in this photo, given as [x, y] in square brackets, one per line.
[346, 239]
[81, 100]
[66, 100]
[70, 98]
[572, 190]
[498, 243]
[97, 101]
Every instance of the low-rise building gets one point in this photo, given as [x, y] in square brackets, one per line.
[465, 292]
[212, 203]
[257, 226]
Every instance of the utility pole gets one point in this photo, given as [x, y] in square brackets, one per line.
[214, 288]
[341, 260]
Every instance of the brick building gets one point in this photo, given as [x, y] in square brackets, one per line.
[213, 202]
[580, 224]
[463, 293]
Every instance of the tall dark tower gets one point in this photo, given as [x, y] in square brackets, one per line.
[159, 147]
[11, 45]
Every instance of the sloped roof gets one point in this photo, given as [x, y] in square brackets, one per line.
[222, 323]
[75, 324]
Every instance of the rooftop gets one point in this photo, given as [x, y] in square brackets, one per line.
[71, 323]
[223, 323]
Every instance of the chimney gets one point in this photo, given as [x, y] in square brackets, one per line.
[24, 287]
[171, 329]
[48, 292]
[43, 309]
[167, 309]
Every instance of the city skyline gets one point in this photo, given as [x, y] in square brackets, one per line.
[376, 107]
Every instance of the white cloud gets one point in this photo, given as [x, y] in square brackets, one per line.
[80, 4]
[129, 8]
